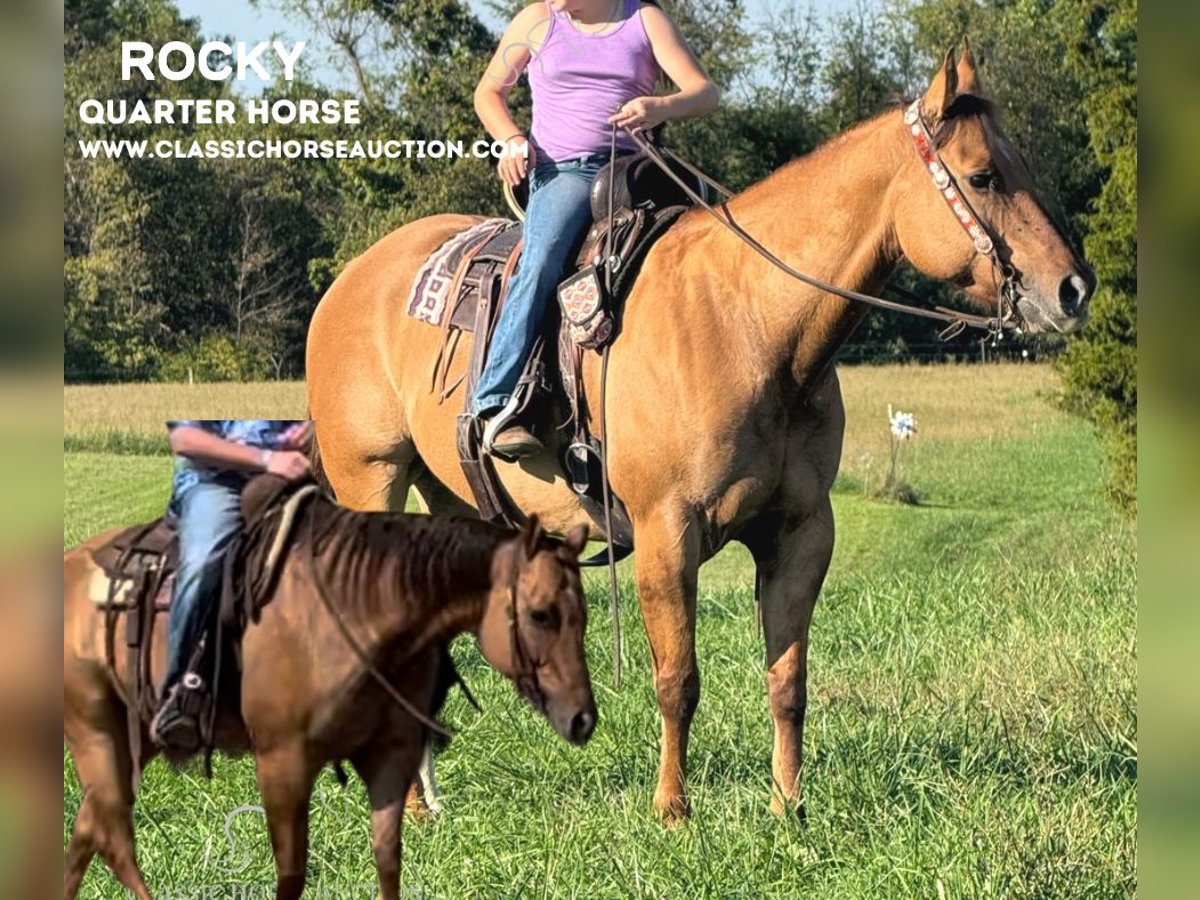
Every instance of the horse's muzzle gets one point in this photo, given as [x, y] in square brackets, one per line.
[581, 726]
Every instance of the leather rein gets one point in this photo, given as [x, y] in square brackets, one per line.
[1008, 317]
[525, 677]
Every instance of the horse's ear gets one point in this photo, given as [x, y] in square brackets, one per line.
[968, 77]
[576, 539]
[532, 536]
[941, 92]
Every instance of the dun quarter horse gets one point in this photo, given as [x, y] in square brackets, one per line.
[402, 587]
[725, 417]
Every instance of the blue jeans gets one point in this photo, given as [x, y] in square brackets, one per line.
[556, 220]
[209, 517]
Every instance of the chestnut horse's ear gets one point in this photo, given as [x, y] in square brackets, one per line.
[576, 539]
[941, 92]
[532, 536]
[968, 77]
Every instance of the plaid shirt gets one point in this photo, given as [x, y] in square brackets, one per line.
[264, 433]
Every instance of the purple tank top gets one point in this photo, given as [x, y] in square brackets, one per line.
[579, 80]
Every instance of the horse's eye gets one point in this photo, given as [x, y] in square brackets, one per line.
[985, 181]
[539, 617]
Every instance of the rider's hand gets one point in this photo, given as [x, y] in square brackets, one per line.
[518, 160]
[640, 114]
[288, 464]
[297, 436]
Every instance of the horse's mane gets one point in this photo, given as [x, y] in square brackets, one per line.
[369, 561]
[963, 106]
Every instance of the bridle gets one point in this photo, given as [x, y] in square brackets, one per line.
[982, 237]
[526, 667]
[1007, 318]
[525, 676]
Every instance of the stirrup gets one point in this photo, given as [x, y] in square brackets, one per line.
[180, 710]
[499, 422]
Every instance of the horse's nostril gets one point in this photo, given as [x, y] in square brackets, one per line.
[1073, 294]
[582, 724]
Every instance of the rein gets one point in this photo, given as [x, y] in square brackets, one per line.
[614, 596]
[1008, 317]
[525, 677]
[400, 700]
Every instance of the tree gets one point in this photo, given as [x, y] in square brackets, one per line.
[1099, 368]
[856, 78]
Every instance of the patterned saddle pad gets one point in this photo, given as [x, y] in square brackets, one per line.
[429, 298]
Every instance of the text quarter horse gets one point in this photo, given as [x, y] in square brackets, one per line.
[356, 595]
[724, 412]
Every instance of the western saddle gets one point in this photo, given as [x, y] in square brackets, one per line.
[139, 566]
[633, 203]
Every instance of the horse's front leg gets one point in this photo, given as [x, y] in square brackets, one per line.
[388, 767]
[285, 781]
[667, 565]
[791, 563]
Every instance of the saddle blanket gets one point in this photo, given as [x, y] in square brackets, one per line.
[123, 595]
[430, 294]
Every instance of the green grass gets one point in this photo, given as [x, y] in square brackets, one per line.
[972, 725]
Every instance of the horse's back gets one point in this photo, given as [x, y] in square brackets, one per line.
[368, 363]
[378, 281]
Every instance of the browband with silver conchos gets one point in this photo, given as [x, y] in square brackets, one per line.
[943, 181]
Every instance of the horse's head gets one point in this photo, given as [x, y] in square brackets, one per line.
[532, 630]
[1016, 241]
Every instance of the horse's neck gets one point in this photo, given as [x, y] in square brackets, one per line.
[829, 215]
[439, 622]
[403, 585]
[432, 596]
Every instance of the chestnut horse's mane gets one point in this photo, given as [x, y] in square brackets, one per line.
[372, 561]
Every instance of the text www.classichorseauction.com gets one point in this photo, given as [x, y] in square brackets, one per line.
[176, 61]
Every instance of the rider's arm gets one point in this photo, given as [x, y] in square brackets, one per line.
[210, 450]
[696, 94]
[512, 55]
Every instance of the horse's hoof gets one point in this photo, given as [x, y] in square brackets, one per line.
[674, 811]
[419, 812]
[784, 807]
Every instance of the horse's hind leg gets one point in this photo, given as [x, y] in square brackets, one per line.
[285, 781]
[424, 798]
[364, 444]
[436, 498]
[104, 823]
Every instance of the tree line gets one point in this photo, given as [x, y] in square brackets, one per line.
[210, 269]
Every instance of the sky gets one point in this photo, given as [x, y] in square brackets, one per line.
[243, 22]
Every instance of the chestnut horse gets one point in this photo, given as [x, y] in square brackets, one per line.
[320, 676]
[725, 417]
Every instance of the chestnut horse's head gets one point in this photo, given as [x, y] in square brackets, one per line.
[532, 629]
[1020, 251]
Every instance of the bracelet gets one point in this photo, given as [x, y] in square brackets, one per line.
[264, 459]
[519, 134]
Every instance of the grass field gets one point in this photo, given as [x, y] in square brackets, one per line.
[972, 724]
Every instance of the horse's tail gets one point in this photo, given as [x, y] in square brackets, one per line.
[318, 470]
